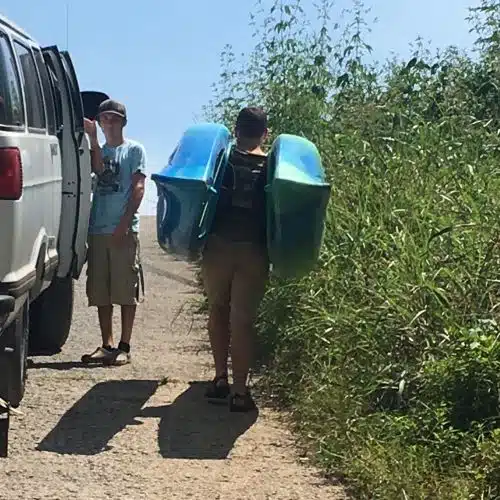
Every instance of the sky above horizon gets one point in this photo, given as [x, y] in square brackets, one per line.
[162, 58]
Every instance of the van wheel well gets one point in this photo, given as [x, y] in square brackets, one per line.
[40, 272]
[50, 317]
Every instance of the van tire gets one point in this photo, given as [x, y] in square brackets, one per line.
[50, 317]
[15, 349]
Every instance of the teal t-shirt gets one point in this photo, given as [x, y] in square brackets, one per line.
[114, 186]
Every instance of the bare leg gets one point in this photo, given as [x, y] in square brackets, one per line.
[106, 323]
[242, 349]
[218, 332]
[217, 272]
[248, 288]
[128, 317]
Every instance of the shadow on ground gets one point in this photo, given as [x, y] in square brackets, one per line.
[170, 275]
[88, 426]
[190, 428]
[60, 365]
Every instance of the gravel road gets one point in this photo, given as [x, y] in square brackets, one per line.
[143, 431]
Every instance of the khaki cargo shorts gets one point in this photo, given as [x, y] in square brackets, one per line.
[113, 270]
[235, 274]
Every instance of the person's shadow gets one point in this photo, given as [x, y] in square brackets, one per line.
[189, 428]
[88, 426]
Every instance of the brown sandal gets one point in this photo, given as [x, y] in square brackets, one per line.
[242, 403]
[219, 389]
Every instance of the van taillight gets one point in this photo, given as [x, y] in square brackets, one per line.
[11, 174]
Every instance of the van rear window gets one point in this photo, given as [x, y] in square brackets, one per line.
[11, 102]
[32, 87]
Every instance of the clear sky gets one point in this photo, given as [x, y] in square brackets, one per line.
[161, 57]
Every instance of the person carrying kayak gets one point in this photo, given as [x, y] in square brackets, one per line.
[235, 263]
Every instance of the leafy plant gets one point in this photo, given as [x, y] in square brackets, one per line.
[388, 353]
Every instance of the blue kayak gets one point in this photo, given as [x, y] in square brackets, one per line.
[188, 189]
[297, 196]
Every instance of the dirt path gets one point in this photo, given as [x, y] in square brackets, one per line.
[143, 431]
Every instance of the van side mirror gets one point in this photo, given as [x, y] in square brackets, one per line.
[91, 101]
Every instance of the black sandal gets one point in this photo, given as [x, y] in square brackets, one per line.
[242, 403]
[219, 389]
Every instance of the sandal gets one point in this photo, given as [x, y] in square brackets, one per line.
[219, 389]
[242, 402]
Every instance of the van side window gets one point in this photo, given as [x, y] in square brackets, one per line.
[47, 92]
[75, 95]
[11, 101]
[54, 83]
[32, 89]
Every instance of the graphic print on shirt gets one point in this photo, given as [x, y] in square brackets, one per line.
[109, 178]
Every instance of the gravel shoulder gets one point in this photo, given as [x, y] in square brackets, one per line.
[143, 431]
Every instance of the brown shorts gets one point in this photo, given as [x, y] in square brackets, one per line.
[113, 270]
[235, 274]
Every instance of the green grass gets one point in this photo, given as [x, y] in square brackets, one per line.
[388, 353]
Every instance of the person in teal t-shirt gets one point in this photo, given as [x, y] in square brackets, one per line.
[113, 243]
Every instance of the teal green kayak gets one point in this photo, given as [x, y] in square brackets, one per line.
[297, 198]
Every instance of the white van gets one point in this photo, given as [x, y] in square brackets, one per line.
[45, 200]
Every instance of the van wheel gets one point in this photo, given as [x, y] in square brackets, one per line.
[50, 317]
[15, 348]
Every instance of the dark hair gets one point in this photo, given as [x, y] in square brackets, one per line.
[252, 122]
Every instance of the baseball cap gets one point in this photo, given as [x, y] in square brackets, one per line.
[112, 106]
